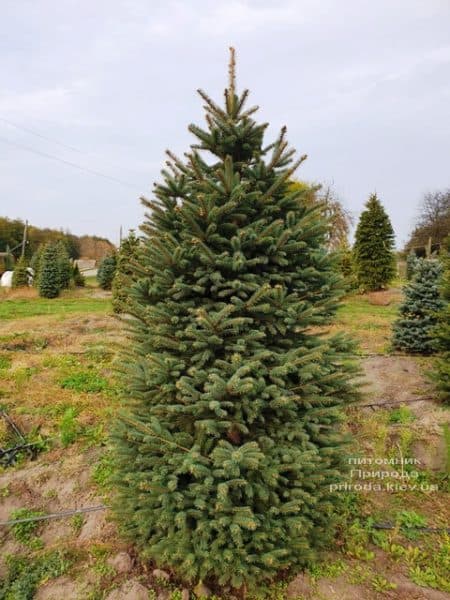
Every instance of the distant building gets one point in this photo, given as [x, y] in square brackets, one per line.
[88, 267]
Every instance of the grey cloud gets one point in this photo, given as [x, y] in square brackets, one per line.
[362, 86]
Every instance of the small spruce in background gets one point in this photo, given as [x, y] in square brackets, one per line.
[373, 250]
[413, 332]
[65, 268]
[49, 275]
[20, 275]
[124, 275]
[106, 271]
[78, 278]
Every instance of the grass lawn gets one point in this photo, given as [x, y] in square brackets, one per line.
[23, 303]
[22, 307]
[368, 318]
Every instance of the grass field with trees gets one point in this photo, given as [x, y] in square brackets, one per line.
[58, 382]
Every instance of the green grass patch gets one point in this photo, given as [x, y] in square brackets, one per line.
[403, 414]
[369, 324]
[32, 307]
[103, 470]
[5, 362]
[26, 533]
[359, 305]
[68, 427]
[432, 569]
[84, 381]
[25, 574]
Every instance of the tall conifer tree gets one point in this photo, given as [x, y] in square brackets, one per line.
[374, 257]
[49, 276]
[65, 268]
[231, 434]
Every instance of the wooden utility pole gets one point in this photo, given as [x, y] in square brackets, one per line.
[24, 239]
[120, 236]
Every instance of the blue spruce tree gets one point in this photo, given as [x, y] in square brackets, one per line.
[231, 432]
[413, 330]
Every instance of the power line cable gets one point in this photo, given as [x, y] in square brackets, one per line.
[69, 163]
[40, 135]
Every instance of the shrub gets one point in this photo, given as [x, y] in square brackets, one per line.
[106, 271]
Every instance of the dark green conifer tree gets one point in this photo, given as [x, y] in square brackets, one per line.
[64, 265]
[231, 435]
[373, 250]
[78, 279]
[49, 276]
[441, 373]
[106, 272]
[20, 274]
[35, 263]
[123, 277]
[413, 331]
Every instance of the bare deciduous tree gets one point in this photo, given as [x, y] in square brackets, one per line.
[338, 216]
[433, 221]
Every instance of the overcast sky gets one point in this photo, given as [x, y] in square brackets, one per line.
[363, 87]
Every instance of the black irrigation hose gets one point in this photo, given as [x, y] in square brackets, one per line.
[88, 509]
[8, 455]
[415, 528]
[5, 451]
[392, 403]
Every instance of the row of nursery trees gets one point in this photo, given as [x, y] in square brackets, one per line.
[231, 437]
[50, 270]
[370, 265]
